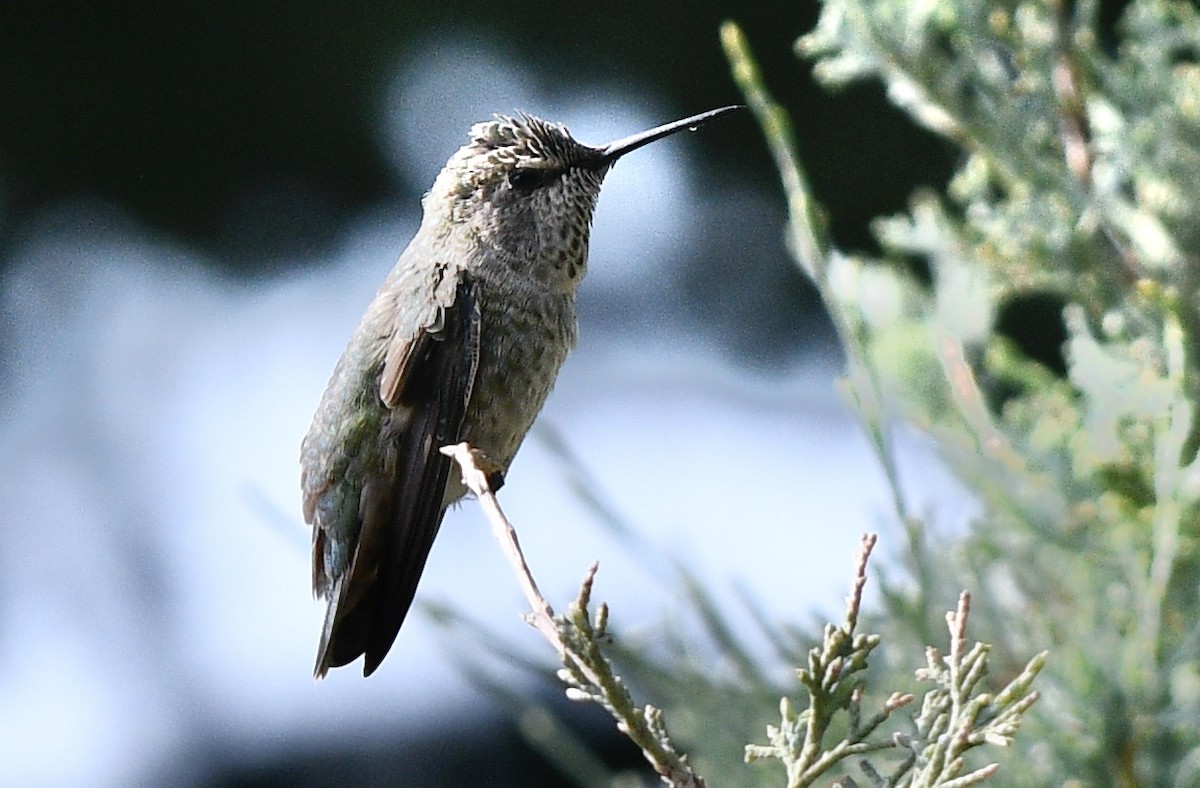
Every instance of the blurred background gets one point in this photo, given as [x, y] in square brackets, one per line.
[197, 201]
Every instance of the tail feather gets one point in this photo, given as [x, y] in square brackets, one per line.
[401, 500]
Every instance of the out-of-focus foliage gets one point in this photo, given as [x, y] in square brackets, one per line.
[1081, 157]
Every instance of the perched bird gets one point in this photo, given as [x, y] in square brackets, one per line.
[463, 342]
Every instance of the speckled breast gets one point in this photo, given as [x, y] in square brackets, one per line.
[524, 339]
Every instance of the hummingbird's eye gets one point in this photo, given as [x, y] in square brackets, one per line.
[526, 179]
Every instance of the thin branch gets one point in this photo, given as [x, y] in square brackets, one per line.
[576, 637]
[541, 616]
[809, 244]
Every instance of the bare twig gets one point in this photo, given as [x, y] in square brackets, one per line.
[542, 616]
[577, 638]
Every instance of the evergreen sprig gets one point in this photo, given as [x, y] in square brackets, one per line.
[956, 716]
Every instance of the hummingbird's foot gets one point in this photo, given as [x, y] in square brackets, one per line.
[479, 464]
[492, 470]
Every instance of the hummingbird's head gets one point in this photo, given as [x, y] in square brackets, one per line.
[523, 189]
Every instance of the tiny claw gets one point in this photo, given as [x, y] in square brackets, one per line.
[478, 466]
[492, 471]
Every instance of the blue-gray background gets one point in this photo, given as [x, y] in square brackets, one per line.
[196, 203]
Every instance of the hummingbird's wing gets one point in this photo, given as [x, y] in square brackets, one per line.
[369, 550]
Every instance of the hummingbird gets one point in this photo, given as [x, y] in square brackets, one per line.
[463, 342]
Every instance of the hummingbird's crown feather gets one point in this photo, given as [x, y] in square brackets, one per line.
[528, 137]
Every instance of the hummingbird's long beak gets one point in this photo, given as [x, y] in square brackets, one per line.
[615, 150]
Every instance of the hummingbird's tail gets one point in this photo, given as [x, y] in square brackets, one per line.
[368, 603]
[368, 574]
